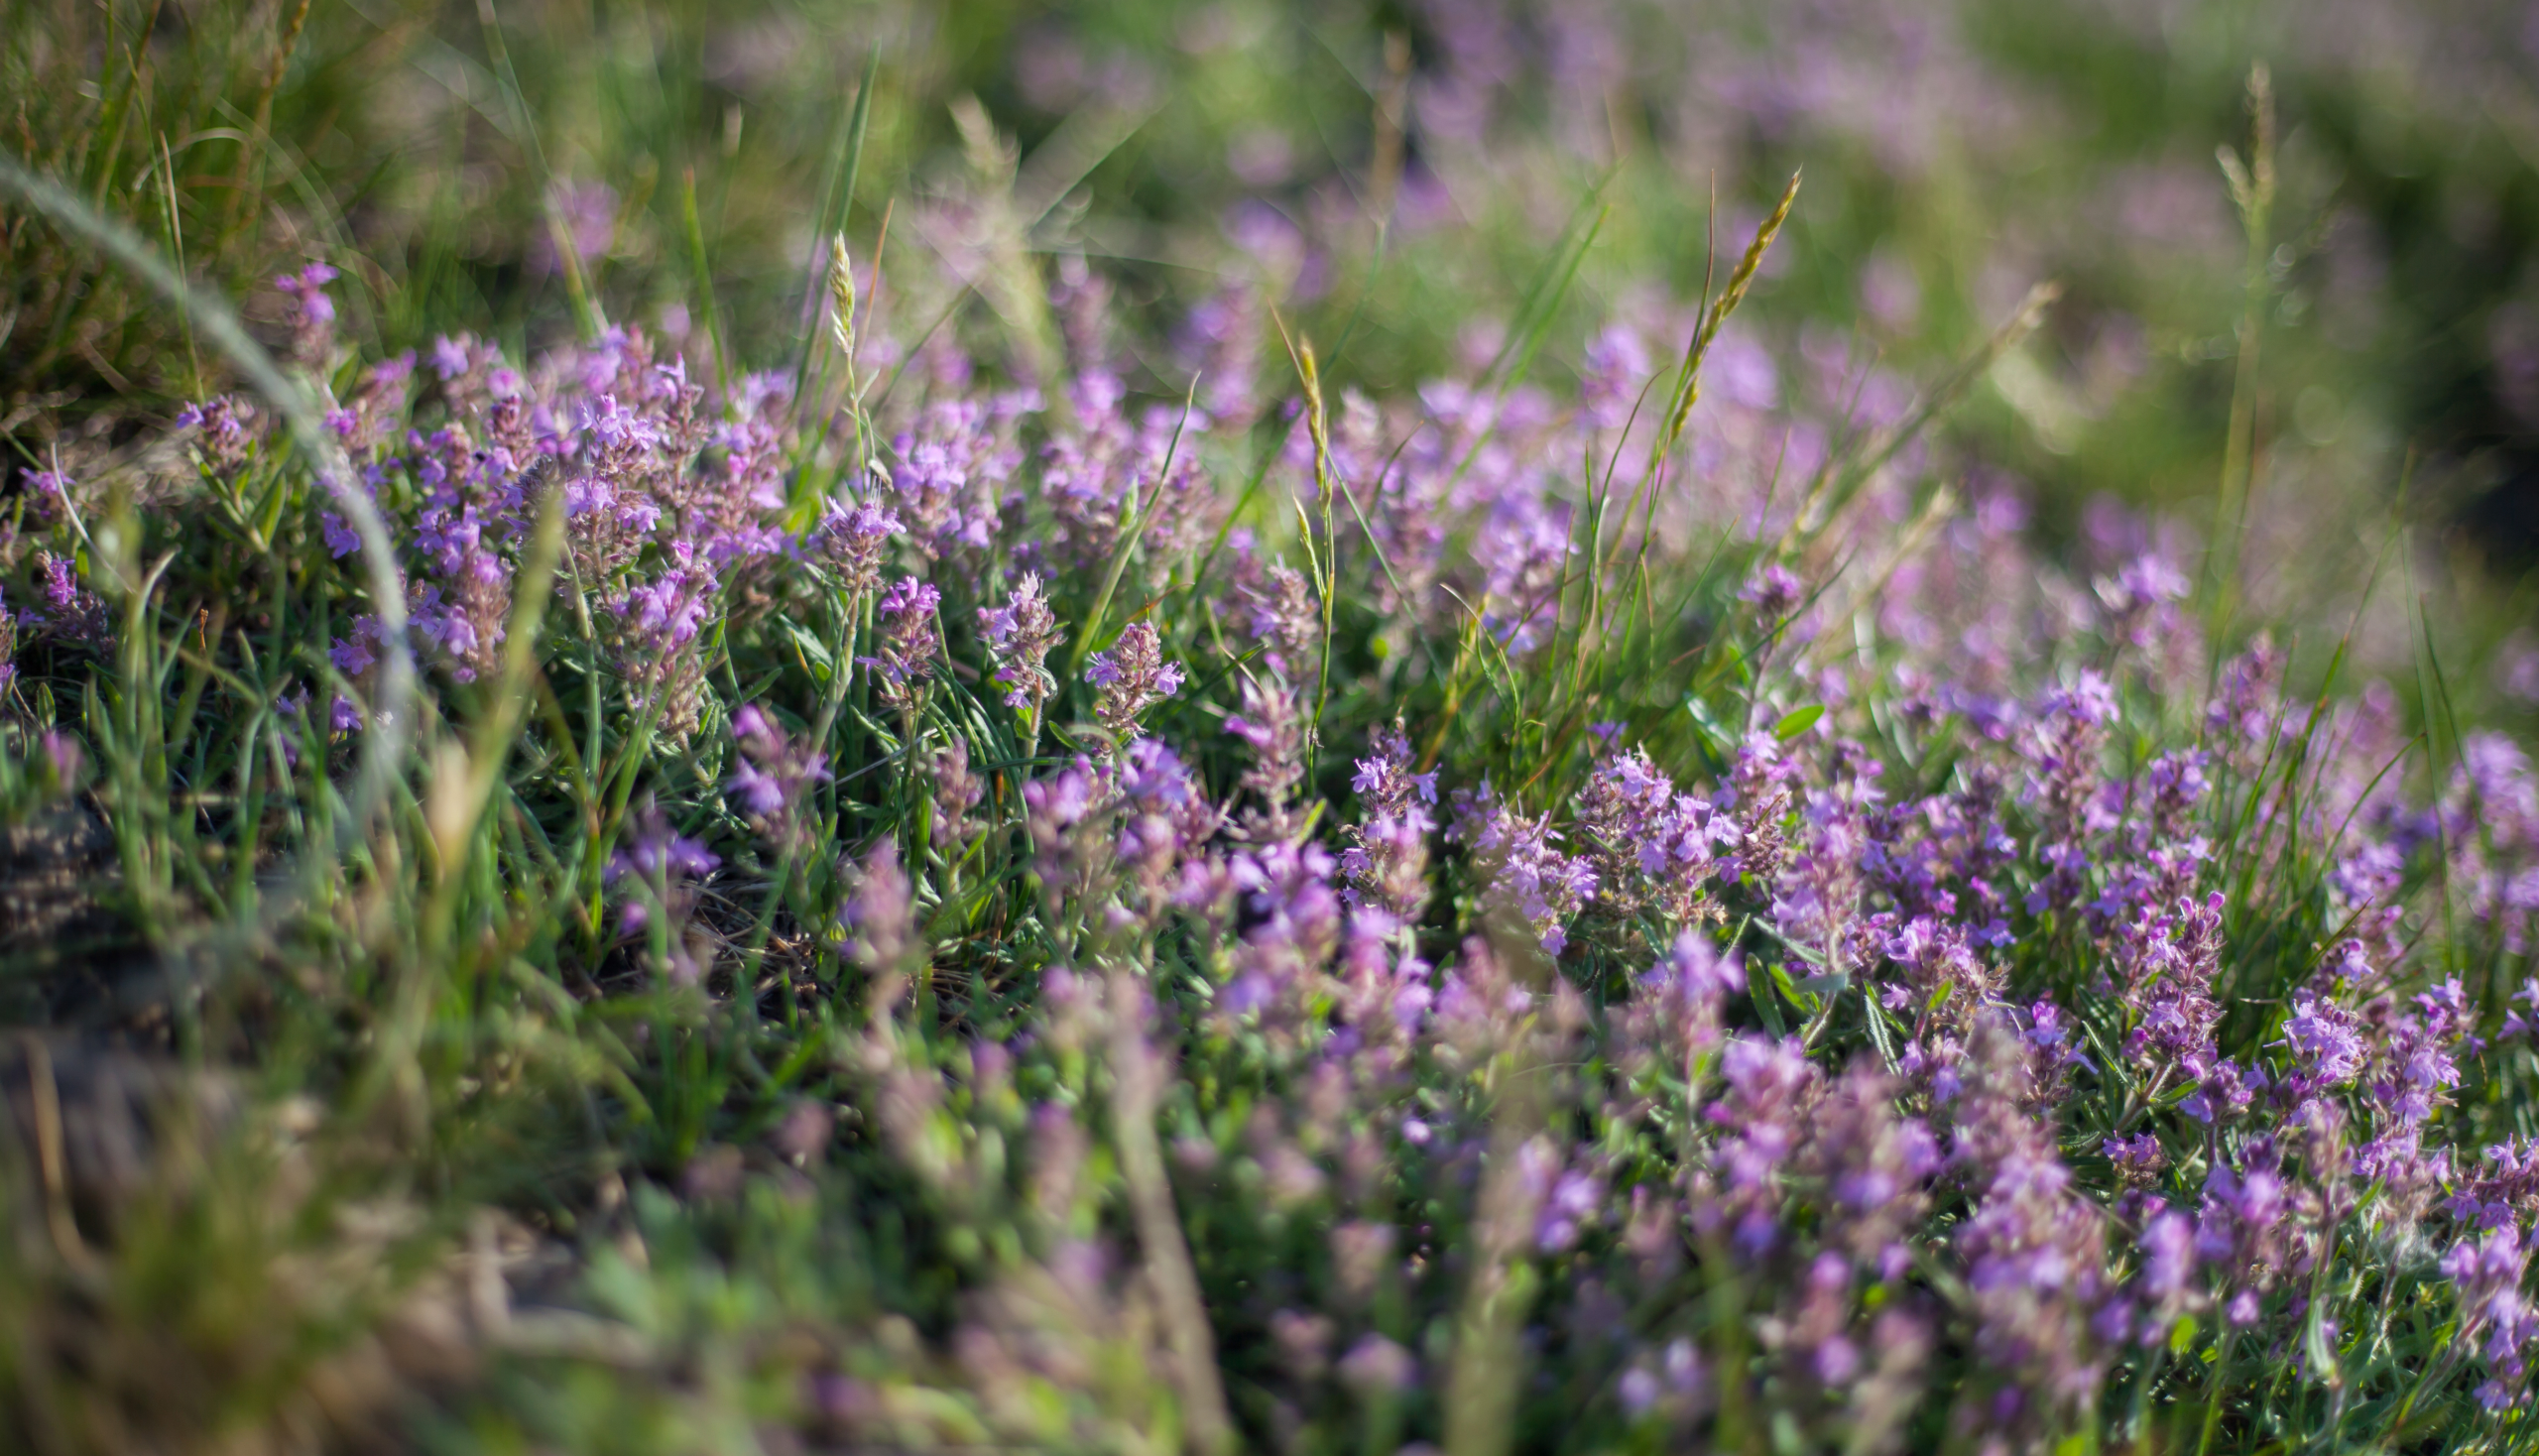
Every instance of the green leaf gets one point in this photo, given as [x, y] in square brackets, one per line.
[1790, 989]
[822, 660]
[1797, 721]
[1759, 984]
[1715, 734]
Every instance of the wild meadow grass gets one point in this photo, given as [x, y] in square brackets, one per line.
[1019, 866]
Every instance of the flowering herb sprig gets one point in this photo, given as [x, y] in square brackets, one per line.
[1018, 636]
[907, 651]
[1132, 676]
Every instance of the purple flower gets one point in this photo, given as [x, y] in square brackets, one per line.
[2220, 1095]
[1132, 676]
[1698, 970]
[585, 213]
[1283, 615]
[950, 472]
[1876, 1163]
[449, 357]
[2033, 1250]
[1387, 861]
[2137, 1159]
[61, 584]
[881, 912]
[1377, 1366]
[1774, 593]
[906, 659]
[313, 312]
[655, 850]
[1757, 794]
[957, 792]
[223, 431]
[1019, 635]
[1167, 814]
[2089, 700]
[1296, 920]
[2168, 1255]
[1612, 372]
[61, 757]
[854, 540]
[1769, 1085]
[1513, 858]
[342, 540]
[354, 657]
[2147, 581]
[48, 493]
[774, 774]
[307, 289]
[1386, 782]
[1273, 724]
[1569, 1208]
[671, 609]
[2325, 1038]
[762, 793]
[657, 869]
[1651, 845]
